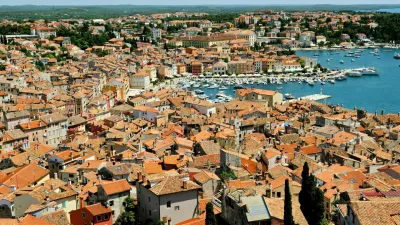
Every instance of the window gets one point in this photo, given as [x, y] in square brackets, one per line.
[83, 215]
[99, 218]
[278, 194]
[149, 212]
[106, 217]
[149, 199]
[169, 204]
[111, 203]
[64, 204]
[177, 207]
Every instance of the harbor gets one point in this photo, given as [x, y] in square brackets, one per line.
[221, 88]
[350, 83]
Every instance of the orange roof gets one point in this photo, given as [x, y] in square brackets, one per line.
[152, 167]
[29, 220]
[32, 124]
[310, 149]
[342, 137]
[116, 187]
[24, 176]
[270, 153]
[193, 221]
[98, 209]
[241, 183]
[280, 181]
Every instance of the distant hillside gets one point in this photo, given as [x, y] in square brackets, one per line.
[107, 11]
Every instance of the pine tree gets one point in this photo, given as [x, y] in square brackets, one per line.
[210, 216]
[288, 216]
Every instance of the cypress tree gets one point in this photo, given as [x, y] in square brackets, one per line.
[317, 207]
[311, 198]
[288, 216]
[210, 216]
[305, 193]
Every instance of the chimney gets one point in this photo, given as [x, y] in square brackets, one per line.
[52, 186]
[269, 191]
[55, 175]
[185, 184]
[144, 179]
[13, 188]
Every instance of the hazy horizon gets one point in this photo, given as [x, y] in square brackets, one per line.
[203, 2]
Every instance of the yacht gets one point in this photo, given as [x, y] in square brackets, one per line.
[353, 60]
[396, 55]
[198, 91]
[214, 86]
[289, 96]
[310, 82]
[323, 83]
[341, 62]
[332, 81]
[220, 94]
[354, 73]
[238, 87]
[223, 88]
[369, 71]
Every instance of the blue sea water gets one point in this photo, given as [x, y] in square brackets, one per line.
[372, 93]
[392, 10]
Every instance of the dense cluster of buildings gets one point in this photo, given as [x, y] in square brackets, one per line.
[81, 134]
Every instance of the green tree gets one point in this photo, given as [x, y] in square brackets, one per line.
[210, 216]
[321, 44]
[127, 218]
[311, 198]
[157, 223]
[2, 67]
[288, 216]
[128, 204]
[306, 193]
[227, 175]
[317, 207]
[325, 222]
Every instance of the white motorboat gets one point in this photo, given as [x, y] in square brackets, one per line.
[369, 71]
[354, 73]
